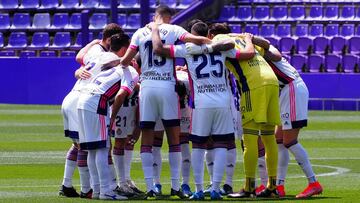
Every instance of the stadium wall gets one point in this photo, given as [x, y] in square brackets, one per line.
[48, 80]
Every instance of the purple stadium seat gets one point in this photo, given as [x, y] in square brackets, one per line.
[348, 12]
[41, 21]
[274, 41]
[104, 3]
[280, 12]
[28, 4]
[69, 4]
[347, 30]
[252, 28]
[283, 30]
[98, 21]
[40, 40]
[332, 30]
[7, 53]
[1, 40]
[302, 30]
[60, 20]
[48, 4]
[78, 40]
[17, 40]
[89, 3]
[228, 13]
[354, 45]
[267, 30]
[358, 13]
[244, 12]
[4, 21]
[337, 45]
[286, 45]
[321, 45]
[75, 21]
[170, 3]
[299, 62]
[9, 4]
[129, 4]
[262, 13]
[316, 12]
[235, 28]
[133, 21]
[315, 63]
[47, 54]
[27, 54]
[71, 54]
[349, 62]
[331, 12]
[61, 40]
[184, 3]
[153, 3]
[316, 30]
[297, 12]
[21, 21]
[122, 19]
[332, 62]
[303, 45]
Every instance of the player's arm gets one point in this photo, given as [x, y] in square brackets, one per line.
[119, 100]
[158, 47]
[131, 51]
[80, 56]
[261, 42]
[196, 39]
[272, 54]
[248, 52]
[82, 73]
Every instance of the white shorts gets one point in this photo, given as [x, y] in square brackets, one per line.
[70, 115]
[93, 131]
[125, 121]
[211, 121]
[184, 121]
[157, 103]
[294, 99]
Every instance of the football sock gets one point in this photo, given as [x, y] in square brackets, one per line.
[128, 155]
[219, 167]
[209, 156]
[250, 158]
[197, 163]
[175, 164]
[102, 166]
[186, 163]
[262, 170]
[112, 171]
[91, 161]
[230, 166]
[156, 152]
[119, 164]
[303, 160]
[83, 171]
[147, 166]
[271, 154]
[249, 184]
[282, 164]
[70, 165]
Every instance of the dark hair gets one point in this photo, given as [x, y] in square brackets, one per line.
[111, 29]
[191, 23]
[200, 28]
[118, 41]
[219, 28]
[164, 10]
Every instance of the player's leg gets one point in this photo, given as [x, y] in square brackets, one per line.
[209, 160]
[261, 167]
[185, 150]
[156, 151]
[67, 188]
[86, 191]
[283, 162]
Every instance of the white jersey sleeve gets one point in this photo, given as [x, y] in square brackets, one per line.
[135, 41]
[178, 51]
[180, 32]
[131, 78]
[92, 53]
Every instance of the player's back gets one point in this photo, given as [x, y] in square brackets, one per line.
[284, 71]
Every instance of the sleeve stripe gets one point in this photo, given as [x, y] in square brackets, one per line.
[182, 37]
[237, 54]
[172, 51]
[126, 89]
[133, 47]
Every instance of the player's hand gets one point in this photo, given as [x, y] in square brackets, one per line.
[84, 74]
[194, 49]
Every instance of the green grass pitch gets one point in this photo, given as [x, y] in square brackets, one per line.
[33, 148]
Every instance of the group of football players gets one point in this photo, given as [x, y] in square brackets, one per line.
[233, 85]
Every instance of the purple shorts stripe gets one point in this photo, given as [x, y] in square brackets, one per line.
[174, 148]
[199, 145]
[221, 144]
[72, 153]
[146, 149]
[294, 142]
[231, 144]
[82, 158]
[118, 151]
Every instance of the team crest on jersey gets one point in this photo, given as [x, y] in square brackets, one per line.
[118, 131]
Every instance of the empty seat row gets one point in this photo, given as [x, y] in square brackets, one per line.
[329, 63]
[296, 1]
[294, 12]
[63, 21]
[30, 53]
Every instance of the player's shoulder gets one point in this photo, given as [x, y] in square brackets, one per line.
[221, 37]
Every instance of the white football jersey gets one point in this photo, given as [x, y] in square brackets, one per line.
[92, 53]
[208, 82]
[284, 71]
[156, 71]
[99, 93]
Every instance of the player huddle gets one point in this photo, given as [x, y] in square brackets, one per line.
[228, 88]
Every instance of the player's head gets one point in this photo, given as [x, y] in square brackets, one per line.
[110, 30]
[218, 28]
[200, 29]
[163, 13]
[119, 43]
[191, 23]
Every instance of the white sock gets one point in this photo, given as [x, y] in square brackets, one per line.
[283, 157]
[186, 163]
[120, 168]
[112, 176]
[84, 179]
[209, 156]
[94, 176]
[219, 167]
[69, 172]
[128, 159]
[174, 162]
[156, 152]
[147, 166]
[303, 160]
[230, 166]
[103, 168]
[197, 163]
[262, 170]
